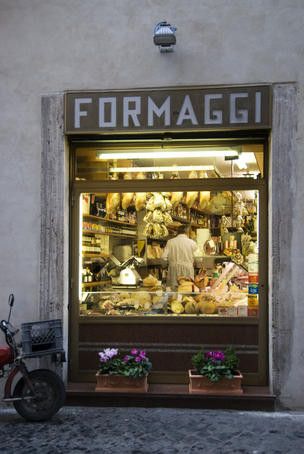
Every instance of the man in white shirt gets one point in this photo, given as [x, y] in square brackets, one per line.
[179, 252]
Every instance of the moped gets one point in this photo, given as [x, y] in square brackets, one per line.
[39, 393]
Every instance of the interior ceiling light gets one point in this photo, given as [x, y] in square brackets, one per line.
[163, 154]
[160, 169]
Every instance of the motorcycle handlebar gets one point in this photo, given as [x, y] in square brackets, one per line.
[7, 328]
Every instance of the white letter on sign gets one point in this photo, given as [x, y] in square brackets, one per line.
[80, 113]
[238, 115]
[164, 108]
[258, 108]
[216, 116]
[112, 122]
[133, 113]
[187, 112]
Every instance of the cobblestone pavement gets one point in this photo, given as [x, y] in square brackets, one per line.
[153, 430]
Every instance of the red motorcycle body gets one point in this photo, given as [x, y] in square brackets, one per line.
[6, 356]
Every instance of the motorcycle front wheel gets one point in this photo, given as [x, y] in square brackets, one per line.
[48, 399]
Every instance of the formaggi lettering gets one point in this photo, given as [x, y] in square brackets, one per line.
[163, 109]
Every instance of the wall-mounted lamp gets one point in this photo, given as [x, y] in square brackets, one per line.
[164, 36]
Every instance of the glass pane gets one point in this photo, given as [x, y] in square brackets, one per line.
[134, 258]
[153, 161]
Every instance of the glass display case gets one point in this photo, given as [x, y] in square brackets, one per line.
[225, 293]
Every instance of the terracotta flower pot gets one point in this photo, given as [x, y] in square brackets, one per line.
[199, 384]
[121, 384]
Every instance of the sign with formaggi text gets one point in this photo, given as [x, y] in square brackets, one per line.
[177, 109]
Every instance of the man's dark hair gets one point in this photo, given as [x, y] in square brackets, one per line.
[184, 228]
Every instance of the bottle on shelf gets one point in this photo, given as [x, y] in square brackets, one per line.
[87, 275]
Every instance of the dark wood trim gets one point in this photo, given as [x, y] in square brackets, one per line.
[77, 187]
[167, 320]
[74, 308]
[195, 184]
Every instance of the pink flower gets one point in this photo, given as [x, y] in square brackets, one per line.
[126, 358]
[215, 356]
[142, 354]
[134, 351]
[138, 359]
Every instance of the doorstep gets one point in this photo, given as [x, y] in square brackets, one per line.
[170, 395]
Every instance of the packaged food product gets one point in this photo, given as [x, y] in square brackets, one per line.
[253, 300]
[253, 311]
[253, 289]
[253, 278]
[242, 311]
[222, 310]
[228, 311]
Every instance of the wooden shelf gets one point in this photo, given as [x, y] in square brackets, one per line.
[96, 232]
[96, 254]
[113, 221]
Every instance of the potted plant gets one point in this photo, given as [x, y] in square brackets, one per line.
[215, 372]
[123, 373]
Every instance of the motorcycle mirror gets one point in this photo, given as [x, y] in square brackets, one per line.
[11, 303]
[11, 299]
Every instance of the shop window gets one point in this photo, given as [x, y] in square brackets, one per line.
[168, 160]
[124, 266]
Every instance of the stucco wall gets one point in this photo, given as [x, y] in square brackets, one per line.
[48, 47]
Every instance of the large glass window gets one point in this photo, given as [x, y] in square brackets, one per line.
[128, 265]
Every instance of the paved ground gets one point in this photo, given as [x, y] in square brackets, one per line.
[155, 430]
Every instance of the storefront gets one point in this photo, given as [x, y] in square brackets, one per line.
[142, 164]
[230, 95]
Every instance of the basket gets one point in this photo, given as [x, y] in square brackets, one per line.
[41, 338]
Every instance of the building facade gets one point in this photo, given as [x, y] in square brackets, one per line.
[244, 51]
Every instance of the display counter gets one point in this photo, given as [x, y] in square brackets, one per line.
[163, 303]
